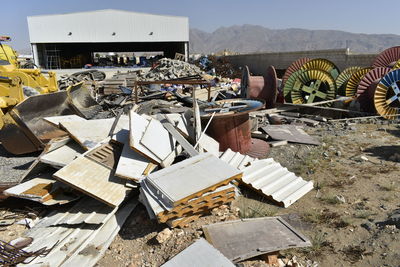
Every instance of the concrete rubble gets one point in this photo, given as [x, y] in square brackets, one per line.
[165, 152]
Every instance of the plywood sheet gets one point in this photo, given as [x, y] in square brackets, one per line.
[44, 190]
[94, 179]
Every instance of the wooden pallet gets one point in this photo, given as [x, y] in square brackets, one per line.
[197, 205]
[182, 222]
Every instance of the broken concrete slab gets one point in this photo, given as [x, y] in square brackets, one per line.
[290, 133]
[243, 239]
[199, 254]
[180, 139]
[274, 181]
[190, 178]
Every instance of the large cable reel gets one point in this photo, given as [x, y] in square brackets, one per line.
[367, 86]
[295, 66]
[322, 64]
[313, 86]
[342, 79]
[387, 95]
[387, 58]
[287, 89]
[352, 83]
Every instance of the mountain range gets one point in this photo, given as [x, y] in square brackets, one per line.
[252, 38]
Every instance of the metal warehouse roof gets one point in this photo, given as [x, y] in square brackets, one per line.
[107, 26]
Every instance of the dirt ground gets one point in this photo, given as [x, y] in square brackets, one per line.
[356, 174]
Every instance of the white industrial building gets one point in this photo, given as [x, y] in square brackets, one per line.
[69, 40]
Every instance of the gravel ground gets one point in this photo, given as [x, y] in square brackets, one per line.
[12, 167]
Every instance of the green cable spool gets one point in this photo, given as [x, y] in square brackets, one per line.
[313, 86]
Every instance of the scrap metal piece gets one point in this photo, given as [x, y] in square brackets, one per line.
[322, 64]
[352, 83]
[295, 66]
[260, 87]
[313, 86]
[199, 254]
[342, 79]
[387, 58]
[387, 95]
[11, 255]
[232, 128]
[367, 86]
[272, 180]
[243, 239]
[290, 133]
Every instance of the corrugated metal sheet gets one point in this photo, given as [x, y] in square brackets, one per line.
[236, 159]
[100, 26]
[276, 181]
[80, 241]
[199, 254]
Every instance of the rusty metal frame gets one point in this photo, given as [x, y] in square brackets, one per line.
[190, 82]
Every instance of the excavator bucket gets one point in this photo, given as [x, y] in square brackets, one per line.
[24, 129]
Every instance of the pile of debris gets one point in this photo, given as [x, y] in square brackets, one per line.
[89, 77]
[100, 164]
[171, 69]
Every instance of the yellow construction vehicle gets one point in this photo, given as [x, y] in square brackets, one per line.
[16, 84]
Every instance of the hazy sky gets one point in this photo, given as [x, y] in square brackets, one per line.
[358, 16]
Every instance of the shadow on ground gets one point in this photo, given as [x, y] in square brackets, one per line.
[389, 153]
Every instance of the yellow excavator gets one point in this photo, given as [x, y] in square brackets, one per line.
[27, 96]
[16, 84]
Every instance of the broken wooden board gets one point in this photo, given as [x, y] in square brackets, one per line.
[243, 239]
[132, 165]
[89, 133]
[199, 254]
[56, 120]
[137, 127]
[62, 156]
[290, 133]
[94, 178]
[44, 190]
[158, 140]
[190, 178]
